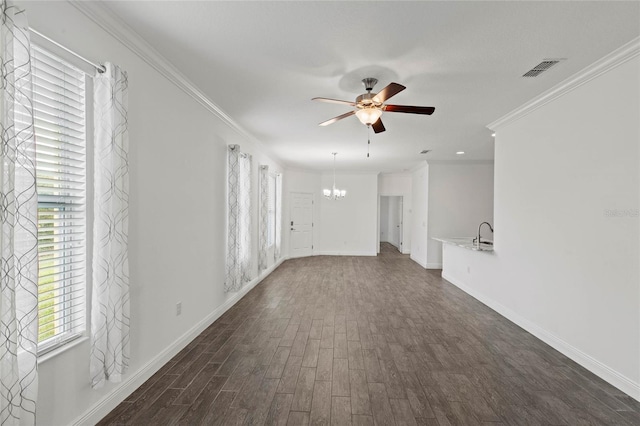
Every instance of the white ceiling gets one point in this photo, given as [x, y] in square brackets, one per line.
[262, 62]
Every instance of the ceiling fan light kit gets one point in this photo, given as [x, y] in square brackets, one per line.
[369, 106]
[334, 193]
[369, 115]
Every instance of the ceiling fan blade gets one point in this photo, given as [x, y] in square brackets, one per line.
[409, 109]
[391, 90]
[334, 101]
[378, 127]
[334, 119]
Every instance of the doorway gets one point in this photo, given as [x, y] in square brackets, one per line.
[301, 229]
[391, 221]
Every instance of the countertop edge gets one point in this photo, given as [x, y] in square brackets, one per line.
[464, 242]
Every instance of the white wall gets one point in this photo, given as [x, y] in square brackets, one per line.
[419, 216]
[342, 227]
[307, 182]
[460, 199]
[350, 226]
[565, 267]
[177, 220]
[400, 184]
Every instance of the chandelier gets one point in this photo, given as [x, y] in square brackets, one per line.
[334, 193]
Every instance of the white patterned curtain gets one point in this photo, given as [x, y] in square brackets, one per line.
[239, 262]
[278, 244]
[18, 225]
[264, 217]
[110, 295]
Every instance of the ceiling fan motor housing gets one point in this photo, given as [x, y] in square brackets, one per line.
[369, 82]
[367, 100]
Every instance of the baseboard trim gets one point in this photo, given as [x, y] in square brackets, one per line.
[434, 266]
[418, 261]
[601, 370]
[345, 253]
[123, 389]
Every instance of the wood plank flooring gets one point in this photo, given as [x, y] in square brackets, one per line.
[369, 341]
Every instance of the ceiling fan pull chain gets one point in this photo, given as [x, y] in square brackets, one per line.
[368, 140]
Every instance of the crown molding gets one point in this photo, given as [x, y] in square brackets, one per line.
[395, 174]
[422, 164]
[619, 56]
[460, 162]
[124, 34]
[299, 170]
[349, 172]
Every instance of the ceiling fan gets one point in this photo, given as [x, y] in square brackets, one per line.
[369, 107]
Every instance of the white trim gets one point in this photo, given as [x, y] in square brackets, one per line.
[301, 256]
[434, 266]
[124, 34]
[393, 194]
[349, 173]
[418, 261]
[460, 162]
[605, 372]
[111, 400]
[345, 253]
[400, 174]
[420, 165]
[298, 170]
[612, 60]
[63, 348]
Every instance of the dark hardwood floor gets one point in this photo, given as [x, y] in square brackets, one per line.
[363, 341]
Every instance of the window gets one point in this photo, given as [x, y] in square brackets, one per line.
[238, 263]
[60, 134]
[244, 216]
[271, 212]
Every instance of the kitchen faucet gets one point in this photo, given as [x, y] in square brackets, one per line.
[478, 238]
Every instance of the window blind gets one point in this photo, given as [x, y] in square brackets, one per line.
[60, 134]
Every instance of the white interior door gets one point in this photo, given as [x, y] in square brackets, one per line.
[301, 224]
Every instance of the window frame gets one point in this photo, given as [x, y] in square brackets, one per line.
[48, 349]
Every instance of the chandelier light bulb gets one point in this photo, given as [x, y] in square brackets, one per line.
[334, 193]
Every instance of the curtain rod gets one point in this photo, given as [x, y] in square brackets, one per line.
[98, 67]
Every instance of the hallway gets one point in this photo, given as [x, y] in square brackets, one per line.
[353, 340]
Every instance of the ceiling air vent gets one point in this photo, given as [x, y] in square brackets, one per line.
[424, 151]
[541, 67]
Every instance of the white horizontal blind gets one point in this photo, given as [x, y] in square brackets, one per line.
[60, 133]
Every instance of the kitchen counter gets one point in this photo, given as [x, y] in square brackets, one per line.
[465, 242]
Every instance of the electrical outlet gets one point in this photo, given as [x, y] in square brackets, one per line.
[178, 308]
